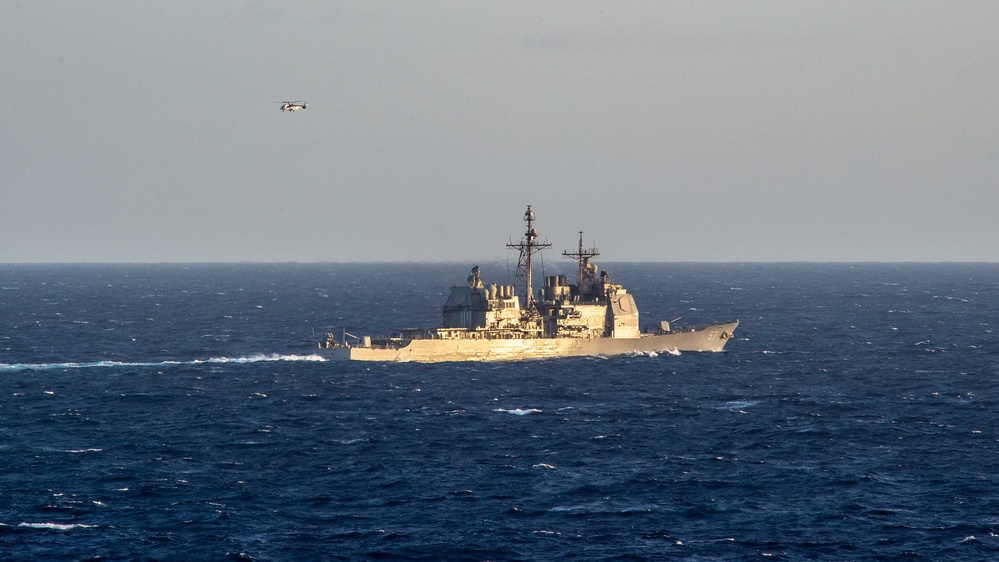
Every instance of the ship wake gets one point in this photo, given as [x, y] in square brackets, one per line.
[253, 358]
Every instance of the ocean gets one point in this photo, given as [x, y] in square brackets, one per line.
[178, 412]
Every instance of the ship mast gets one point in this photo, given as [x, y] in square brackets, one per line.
[582, 257]
[528, 246]
[586, 278]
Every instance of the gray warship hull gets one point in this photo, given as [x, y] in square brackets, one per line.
[705, 338]
[490, 322]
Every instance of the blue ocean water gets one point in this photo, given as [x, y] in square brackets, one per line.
[177, 412]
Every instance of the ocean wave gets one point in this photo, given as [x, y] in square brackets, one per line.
[55, 526]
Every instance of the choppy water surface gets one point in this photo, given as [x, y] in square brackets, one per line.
[174, 412]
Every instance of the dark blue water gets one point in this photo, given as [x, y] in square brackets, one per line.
[166, 412]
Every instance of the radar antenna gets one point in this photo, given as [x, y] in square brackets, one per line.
[528, 246]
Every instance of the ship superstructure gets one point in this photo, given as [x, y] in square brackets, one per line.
[490, 322]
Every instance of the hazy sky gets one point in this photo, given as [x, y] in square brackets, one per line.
[732, 130]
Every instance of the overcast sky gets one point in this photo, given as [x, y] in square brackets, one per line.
[732, 130]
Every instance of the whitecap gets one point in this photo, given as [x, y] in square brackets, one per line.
[648, 353]
[739, 404]
[56, 526]
[520, 411]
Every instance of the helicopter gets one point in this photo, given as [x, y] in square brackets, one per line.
[292, 105]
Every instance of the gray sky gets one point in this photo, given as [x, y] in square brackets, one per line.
[667, 131]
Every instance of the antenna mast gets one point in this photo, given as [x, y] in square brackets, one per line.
[582, 257]
[528, 246]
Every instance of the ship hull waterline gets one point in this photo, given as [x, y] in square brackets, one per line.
[708, 338]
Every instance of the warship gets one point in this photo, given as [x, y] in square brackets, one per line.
[593, 317]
